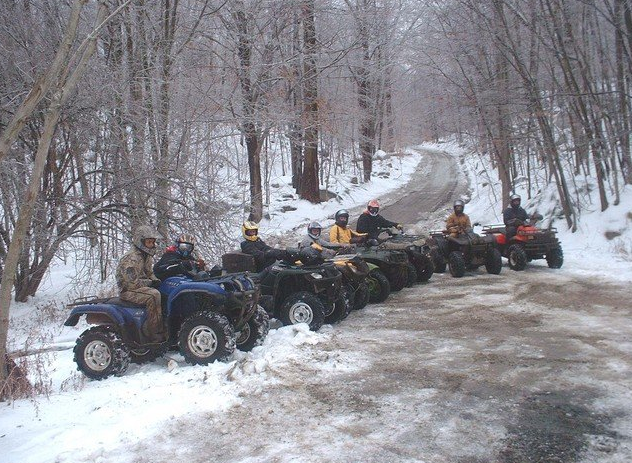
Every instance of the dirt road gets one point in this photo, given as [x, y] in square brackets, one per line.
[529, 366]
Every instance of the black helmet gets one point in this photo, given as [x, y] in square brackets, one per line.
[459, 206]
[342, 217]
[314, 229]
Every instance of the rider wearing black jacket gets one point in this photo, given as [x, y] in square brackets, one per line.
[178, 259]
[370, 221]
[264, 255]
[514, 216]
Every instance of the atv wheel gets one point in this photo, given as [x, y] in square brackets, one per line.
[398, 279]
[361, 297]
[302, 307]
[254, 331]
[517, 257]
[379, 286]
[425, 268]
[440, 263]
[342, 306]
[100, 352]
[205, 337]
[494, 261]
[146, 355]
[555, 258]
[412, 275]
[456, 262]
[267, 302]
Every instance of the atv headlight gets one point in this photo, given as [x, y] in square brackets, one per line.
[316, 276]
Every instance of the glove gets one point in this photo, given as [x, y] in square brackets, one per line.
[200, 264]
[518, 222]
[155, 284]
[399, 226]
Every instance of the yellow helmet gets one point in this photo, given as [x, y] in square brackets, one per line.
[250, 230]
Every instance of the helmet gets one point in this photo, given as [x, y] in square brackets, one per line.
[342, 217]
[514, 198]
[185, 244]
[459, 206]
[143, 233]
[314, 229]
[373, 207]
[250, 230]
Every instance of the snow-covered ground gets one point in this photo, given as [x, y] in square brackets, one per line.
[81, 420]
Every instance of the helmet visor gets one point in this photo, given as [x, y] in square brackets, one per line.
[315, 231]
[373, 210]
[185, 248]
[252, 232]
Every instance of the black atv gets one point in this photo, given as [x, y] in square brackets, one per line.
[301, 288]
[467, 251]
[206, 319]
[419, 253]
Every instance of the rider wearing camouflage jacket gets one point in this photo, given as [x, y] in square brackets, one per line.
[136, 281]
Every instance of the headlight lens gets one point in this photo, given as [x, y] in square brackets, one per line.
[317, 276]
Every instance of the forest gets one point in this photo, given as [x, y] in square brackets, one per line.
[115, 113]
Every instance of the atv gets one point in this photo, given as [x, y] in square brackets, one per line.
[300, 288]
[206, 318]
[354, 277]
[467, 251]
[529, 243]
[392, 264]
[419, 253]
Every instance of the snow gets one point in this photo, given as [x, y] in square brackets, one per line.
[83, 420]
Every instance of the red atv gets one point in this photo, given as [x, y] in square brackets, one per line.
[529, 243]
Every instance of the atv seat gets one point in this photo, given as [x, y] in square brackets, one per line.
[119, 301]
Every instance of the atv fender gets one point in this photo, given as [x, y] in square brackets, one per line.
[99, 311]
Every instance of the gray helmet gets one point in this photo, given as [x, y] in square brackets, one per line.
[458, 206]
[311, 230]
[141, 234]
[514, 197]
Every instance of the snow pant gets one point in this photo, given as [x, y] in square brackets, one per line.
[149, 297]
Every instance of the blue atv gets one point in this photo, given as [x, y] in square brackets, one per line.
[206, 319]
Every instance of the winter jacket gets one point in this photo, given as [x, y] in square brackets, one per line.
[371, 224]
[327, 251]
[172, 263]
[134, 271]
[340, 235]
[458, 224]
[511, 214]
[264, 255]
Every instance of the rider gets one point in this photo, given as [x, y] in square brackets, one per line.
[370, 221]
[458, 222]
[178, 259]
[514, 216]
[137, 283]
[264, 255]
[341, 233]
[315, 237]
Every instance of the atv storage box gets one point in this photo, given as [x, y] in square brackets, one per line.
[238, 262]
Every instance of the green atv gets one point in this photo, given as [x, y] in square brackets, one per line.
[301, 288]
[392, 264]
[419, 253]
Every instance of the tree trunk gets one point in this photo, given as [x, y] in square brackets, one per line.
[309, 182]
[65, 87]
